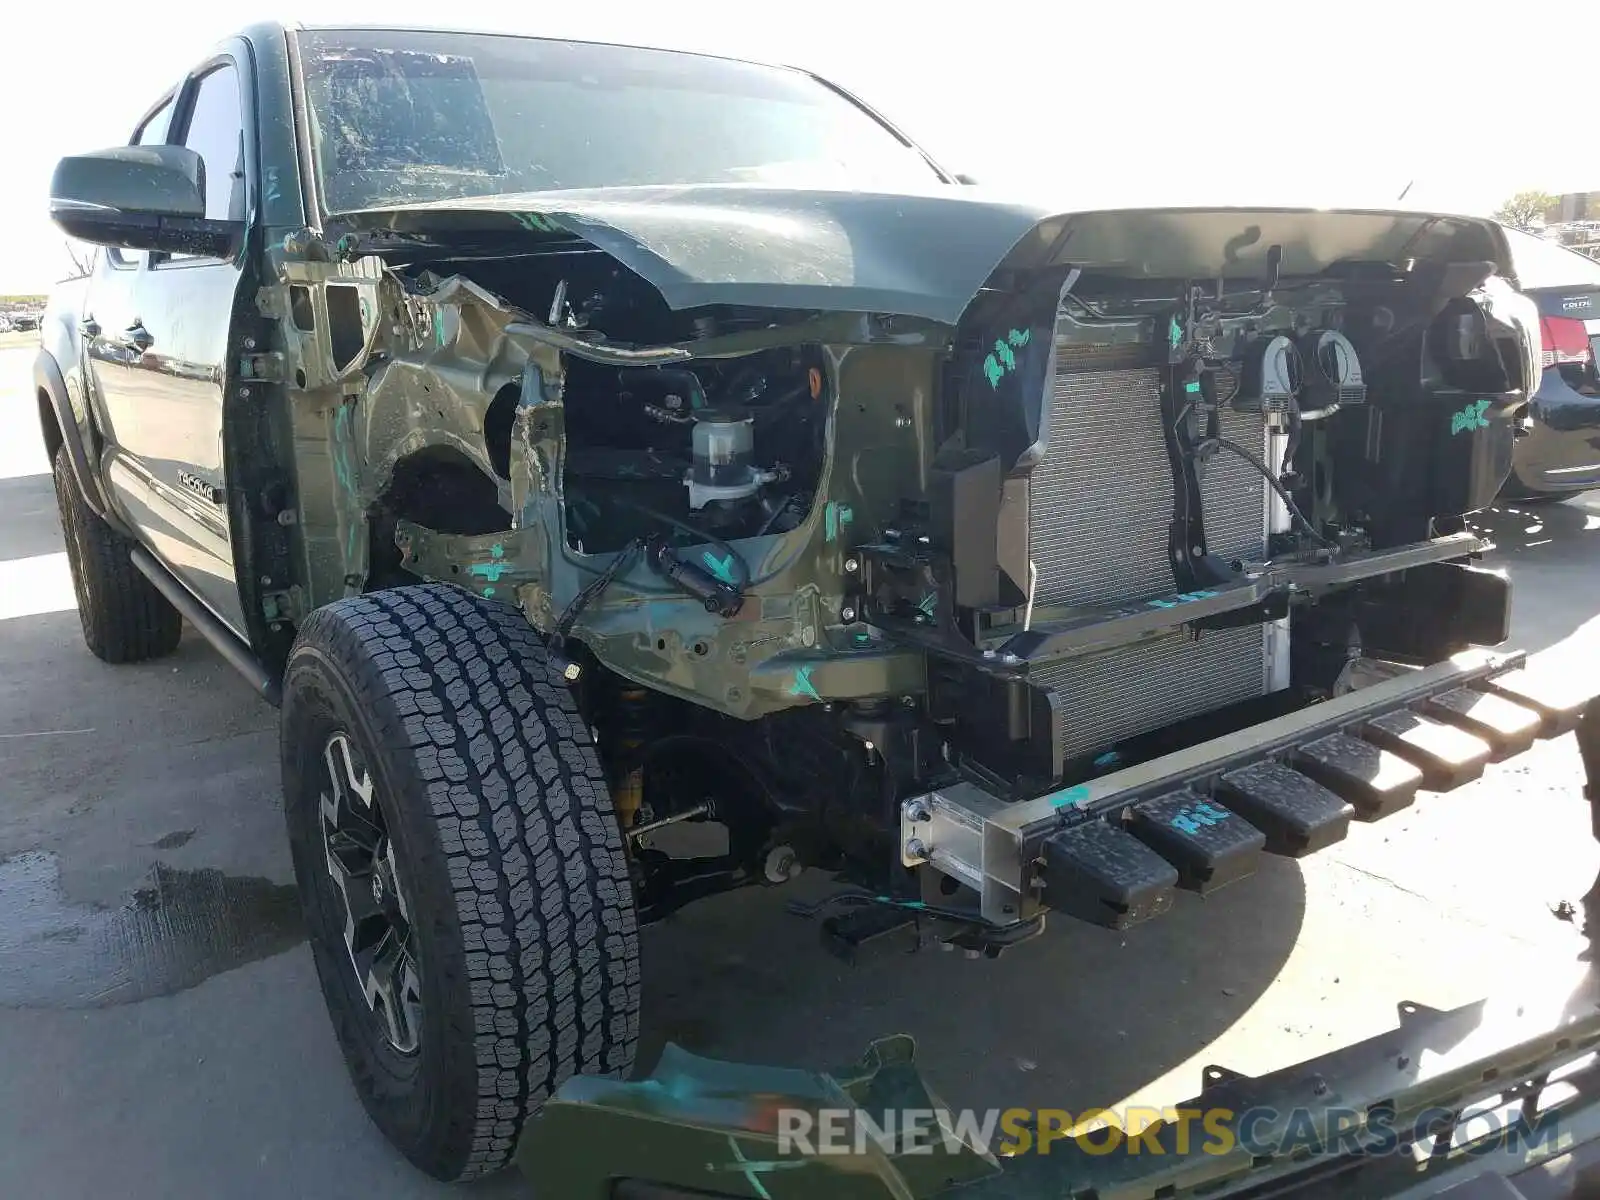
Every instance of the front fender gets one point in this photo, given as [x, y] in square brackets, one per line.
[72, 425]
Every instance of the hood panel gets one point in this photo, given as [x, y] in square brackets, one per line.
[923, 254]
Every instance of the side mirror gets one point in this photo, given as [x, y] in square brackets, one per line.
[140, 198]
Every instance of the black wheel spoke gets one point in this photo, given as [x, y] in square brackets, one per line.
[363, 868]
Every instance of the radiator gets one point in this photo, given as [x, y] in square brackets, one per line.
[1099, 509]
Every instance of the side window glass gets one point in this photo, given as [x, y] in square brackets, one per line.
[152, 133]
[215, 131]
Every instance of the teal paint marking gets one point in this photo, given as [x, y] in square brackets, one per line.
[929, 603]
[497, 551]
[1192, 386]
[490, 571]
[488, 593]
[438, 325]
[1003, 358]
[535, 221]
[1194, 818]
[835, 517]
[342, 468]
[900, 903]
[802, 685]
[722, 568]
[1182, 598]
[272, 184]
[1109, 759]
[1072, 795]
[1175, 334]
[1469, 418]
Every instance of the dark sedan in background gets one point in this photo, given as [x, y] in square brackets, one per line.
[1560, 455]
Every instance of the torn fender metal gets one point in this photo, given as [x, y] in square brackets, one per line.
[914, 254]
[1379, 1118]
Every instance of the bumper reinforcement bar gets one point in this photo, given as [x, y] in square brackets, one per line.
[1114, 851]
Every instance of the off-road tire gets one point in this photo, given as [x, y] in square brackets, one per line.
[124, 618]
[507, 845]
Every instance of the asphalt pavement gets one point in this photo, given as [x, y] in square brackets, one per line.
[162, 1034]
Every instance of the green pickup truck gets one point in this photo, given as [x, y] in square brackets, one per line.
[577, 441]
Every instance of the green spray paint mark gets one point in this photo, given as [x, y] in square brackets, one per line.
[835, 517]
[863, 639]
[802, 685]
[342, 468]
[993, 371]
[928, 604]
[497, 551]
[1007, 357]
[1181, 598]
[535, 221]
[1020, 337]
[1469, 418]
[490, 571]
[1072, 795]
[1192, 386]
[438, 325]
[722, 568]
[488, 593]
[1175, 334]
[272, 184]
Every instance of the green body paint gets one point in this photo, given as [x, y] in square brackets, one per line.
[722, 568]
[802, 685]
[1469, 418]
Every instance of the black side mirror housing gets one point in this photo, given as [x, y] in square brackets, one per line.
[140, 198]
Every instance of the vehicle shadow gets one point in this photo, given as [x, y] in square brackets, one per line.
[1548, 551]
[1075, 1018]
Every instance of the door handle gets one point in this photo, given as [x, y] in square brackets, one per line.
[139, 337]
[89, 327]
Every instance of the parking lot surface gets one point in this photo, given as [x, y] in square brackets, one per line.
[163, 1034]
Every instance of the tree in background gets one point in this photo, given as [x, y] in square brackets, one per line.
[1524, 209]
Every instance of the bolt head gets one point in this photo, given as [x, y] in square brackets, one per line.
[917, 810]
[571, 672]
[847, 613]
[916, 848]
[852, 564]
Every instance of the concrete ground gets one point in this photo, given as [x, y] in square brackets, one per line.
[163, 1035]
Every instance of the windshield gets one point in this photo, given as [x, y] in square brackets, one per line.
[399, 117]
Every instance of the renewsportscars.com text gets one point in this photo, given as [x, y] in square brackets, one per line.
[1149, 1131]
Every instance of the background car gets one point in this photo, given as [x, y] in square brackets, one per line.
[1560, 456]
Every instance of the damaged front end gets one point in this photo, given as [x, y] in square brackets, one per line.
[860, 551]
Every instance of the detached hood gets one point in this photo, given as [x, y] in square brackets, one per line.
[920, 254]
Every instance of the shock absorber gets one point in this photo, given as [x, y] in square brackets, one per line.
[631, 731]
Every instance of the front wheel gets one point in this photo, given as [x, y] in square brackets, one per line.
[461, 869]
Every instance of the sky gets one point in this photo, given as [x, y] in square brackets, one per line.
[1080, 102]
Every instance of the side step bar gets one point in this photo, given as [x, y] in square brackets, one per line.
[1113, 851]
[223, 640]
